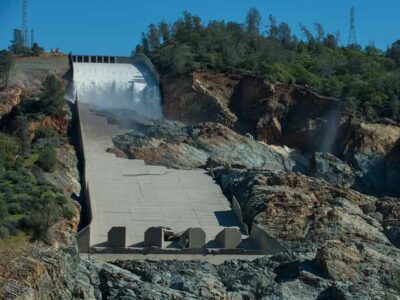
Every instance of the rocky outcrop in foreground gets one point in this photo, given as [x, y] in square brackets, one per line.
[338, 270]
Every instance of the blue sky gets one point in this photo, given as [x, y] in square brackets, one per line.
[114, 27]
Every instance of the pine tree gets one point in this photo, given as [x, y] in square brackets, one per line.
[253, 21]
[153, 37]
[163, 28]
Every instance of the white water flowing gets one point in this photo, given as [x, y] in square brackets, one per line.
[117, 86]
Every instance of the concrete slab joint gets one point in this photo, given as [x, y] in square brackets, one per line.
[117, 237]
[193, 238]
[229, 238]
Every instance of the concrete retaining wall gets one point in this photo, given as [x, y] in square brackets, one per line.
[143, 59]
[83, 236]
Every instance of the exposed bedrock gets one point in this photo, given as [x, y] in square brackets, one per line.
[353, 235]
[200, 97]
[338, 270]
[301, 211]
[175, 145]
[367, 159]
[373, 152]
[276, 114]
[329, 167]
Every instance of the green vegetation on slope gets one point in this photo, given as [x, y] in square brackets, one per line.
[368, 80]
[28, 203]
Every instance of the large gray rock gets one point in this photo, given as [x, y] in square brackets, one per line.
[329, 167]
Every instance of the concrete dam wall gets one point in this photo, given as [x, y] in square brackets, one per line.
[135, 207]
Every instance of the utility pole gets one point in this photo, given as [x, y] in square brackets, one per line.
[352, 34]
[25, 21]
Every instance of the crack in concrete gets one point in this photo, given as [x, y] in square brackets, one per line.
[139, 175]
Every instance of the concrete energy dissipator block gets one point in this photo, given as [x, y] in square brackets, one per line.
[193, 238]
[229, 238]
[117, 237]
[154, 237]
[267, 243]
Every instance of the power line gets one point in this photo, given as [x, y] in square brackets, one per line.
[352, 34]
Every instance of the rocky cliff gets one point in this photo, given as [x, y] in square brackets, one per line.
[277, 114]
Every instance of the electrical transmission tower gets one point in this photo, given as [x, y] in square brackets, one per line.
[352, 34]
[25, 21]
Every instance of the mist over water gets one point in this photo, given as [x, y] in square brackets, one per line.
[117, 86]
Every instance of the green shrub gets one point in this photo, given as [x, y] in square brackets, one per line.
[52, 99]
[47, 159]
[27, 202]
[8, 151]
[43, 132]
[35, 224]
[68, 211]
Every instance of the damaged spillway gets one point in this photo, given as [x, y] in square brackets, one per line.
[136, 207]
